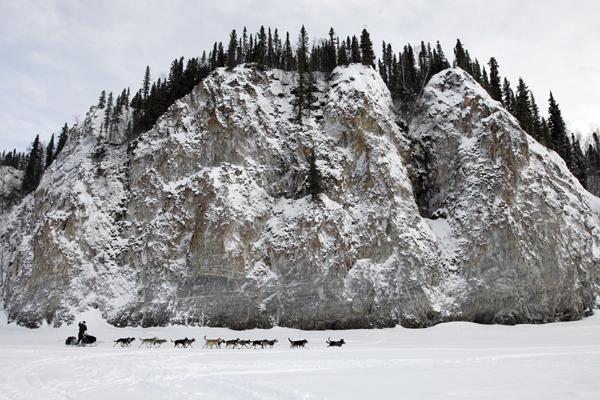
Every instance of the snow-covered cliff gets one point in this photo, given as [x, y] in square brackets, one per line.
[521, 231]
[208, 217]
[11, 180]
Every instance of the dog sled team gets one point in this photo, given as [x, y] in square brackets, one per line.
[84, 339]
[218, 342]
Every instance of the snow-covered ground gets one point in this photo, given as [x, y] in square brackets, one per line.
[449, 361]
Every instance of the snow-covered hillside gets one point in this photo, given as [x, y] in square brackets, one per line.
[208, 217]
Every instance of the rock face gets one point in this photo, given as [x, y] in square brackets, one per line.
[10, 187]
[522, 235]
[208, 218]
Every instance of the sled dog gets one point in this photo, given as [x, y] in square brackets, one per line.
[297, 343]
[212, 343]
[335, 343]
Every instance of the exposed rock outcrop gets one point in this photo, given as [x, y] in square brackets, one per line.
[208, 217]
[11, 180]
[522, 235]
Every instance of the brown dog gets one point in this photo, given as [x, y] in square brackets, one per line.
[212, 343]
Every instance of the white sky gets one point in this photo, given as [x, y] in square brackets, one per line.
[57, 55]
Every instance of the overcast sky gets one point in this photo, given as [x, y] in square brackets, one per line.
[57, 55]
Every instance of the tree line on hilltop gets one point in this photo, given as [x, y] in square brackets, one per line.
[405, 73]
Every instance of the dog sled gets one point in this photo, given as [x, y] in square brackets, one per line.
[88, 340]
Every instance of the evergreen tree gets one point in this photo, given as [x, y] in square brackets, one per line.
[108, 111]
[578, 167]
[62, 140]
[382, 67]
[270, 49]
[438, 63]
[354, 51]
[115, 117]
[232, 50]
[342, 55]
[461, 57]
[386, 67]
[367, 56]
[146, 83]
[303, 69]
[558, 132]
[443, 62]
[508, 96]
[522, 107]
[593, 153]
[409, 71]
[329, 53]
[424, 63]
[102, 99]
[535, 128]
[49, 152]
[213, 56]
[476, 71]
[34, 169]
[244, 45]
[288, 54]
[261, 46]
[485, 82]
[545, 134]
[221, 59]
[494, 87]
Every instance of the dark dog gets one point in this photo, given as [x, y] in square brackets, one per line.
[232, 343]
[260, 343]
[335, 343]
[297, 343]
[183, 342]
[71, 341]
[124, 342]
[179, 342]
[245, 343]
[269, 343]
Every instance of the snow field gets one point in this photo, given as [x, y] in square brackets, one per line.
[449, 361]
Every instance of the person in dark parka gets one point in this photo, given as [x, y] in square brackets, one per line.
[82, 330]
